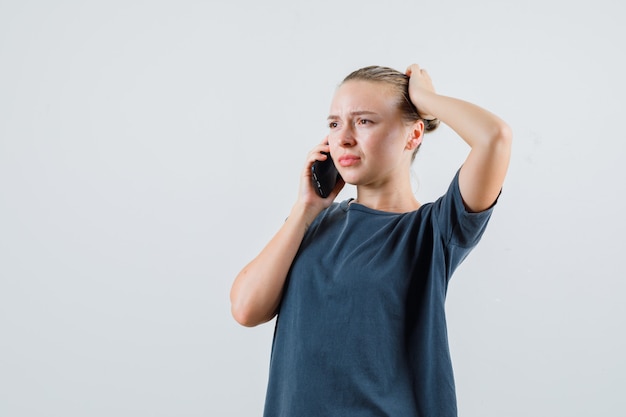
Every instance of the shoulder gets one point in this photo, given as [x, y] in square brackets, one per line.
[457, 223]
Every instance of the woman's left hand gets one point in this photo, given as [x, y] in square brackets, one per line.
[419, 82]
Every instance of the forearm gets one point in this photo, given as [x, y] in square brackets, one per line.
[257, 290]
[475, 125]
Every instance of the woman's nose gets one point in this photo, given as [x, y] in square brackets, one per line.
[346, 137]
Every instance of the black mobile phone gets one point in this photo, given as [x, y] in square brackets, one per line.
[324, 175]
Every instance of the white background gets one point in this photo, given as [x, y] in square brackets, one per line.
[149, 149]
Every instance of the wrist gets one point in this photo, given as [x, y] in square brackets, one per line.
[421, 99]
[304, 214]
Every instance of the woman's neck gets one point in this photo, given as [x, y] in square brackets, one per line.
[393, 199]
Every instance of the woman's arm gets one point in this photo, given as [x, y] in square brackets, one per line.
[489, 137]
[257, 290]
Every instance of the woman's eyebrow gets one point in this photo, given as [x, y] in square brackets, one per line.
[354, 113]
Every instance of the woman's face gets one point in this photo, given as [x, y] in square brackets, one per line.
[369, 140]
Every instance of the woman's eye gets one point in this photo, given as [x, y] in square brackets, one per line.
[364, 122]
[332, 125]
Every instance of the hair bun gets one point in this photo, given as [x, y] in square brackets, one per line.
[430, 125]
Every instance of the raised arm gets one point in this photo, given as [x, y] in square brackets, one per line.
[257, 290]
[489, 137]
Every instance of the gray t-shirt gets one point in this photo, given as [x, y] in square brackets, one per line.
[361, 329]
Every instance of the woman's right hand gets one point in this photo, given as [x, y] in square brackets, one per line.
[307, 195]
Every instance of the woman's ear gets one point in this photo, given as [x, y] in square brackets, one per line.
[416, 133]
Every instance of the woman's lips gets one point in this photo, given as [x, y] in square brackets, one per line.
[348, 160]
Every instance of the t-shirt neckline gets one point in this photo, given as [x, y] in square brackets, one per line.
[351, 204]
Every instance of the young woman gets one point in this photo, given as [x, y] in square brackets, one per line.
[359, 286]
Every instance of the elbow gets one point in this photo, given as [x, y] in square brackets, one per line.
[246, 313]
[502, 136]
[497, 141]
[250, 305]
[243, 316]
[240, 309]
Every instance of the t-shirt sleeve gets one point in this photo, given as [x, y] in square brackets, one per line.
[460, 229]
